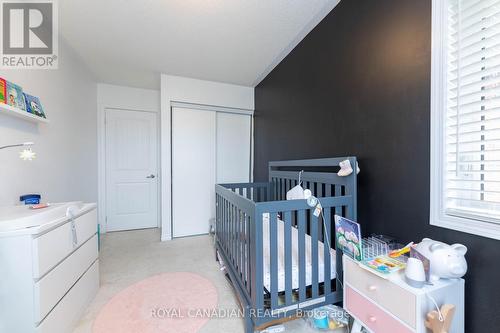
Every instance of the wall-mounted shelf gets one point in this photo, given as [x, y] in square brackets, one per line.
[15, 112]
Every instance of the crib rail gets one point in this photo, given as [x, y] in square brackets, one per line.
[244, 210]
[235, 214]
[256, 192]
[319, 175]
[297, 214]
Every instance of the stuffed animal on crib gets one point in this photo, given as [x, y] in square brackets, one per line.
[446, 261]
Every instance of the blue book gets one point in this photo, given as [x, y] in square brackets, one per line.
[34, 106]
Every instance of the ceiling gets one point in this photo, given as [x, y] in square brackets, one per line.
[129, 42]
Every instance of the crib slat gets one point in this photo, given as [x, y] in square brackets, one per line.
[228, 230]
[278, 188]
[231, 243]
[320, 192]
[241, 244]
[326, 252]
[217, 216]
[314, 254]
[288, 257]
[237, 240]
[250, 253]
[234, 223]
[280, 193]
[302, 254]
[224, 230]
[283, 190]
[228, 235]
[328, 190]
[273, 238]
[257, 260]
[338, 193]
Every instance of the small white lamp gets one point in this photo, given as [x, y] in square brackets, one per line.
[27, 154]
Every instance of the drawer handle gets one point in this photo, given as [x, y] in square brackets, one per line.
[372, 319]
[372, 288]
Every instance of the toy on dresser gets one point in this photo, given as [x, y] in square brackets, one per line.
[446, 261]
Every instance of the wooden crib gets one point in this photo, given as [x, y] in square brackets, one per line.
[279, 256]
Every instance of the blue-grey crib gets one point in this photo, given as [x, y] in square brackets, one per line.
[240, 213]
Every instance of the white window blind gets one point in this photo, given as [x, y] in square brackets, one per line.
[471, 165]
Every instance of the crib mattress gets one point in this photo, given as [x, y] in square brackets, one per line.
[295, 258]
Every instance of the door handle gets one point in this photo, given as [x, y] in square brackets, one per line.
[151, 176]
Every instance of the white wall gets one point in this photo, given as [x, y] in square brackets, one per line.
[191, 91]
[66, 164]
[118, 97]
[121, 97]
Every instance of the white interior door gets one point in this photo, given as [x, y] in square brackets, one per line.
[233, 147]
[193, 170]
[131, 170]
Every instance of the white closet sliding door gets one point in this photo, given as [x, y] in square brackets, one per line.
[193, 170]
[233, 147]
[208, 147]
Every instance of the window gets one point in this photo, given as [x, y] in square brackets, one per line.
[465, 124]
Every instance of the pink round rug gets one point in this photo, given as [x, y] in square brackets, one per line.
[166, 303]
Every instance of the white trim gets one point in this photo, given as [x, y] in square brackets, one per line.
[176, 89]
[166, 161]
[438, 96]
[106, 100]
[212, 108]
[215, 109]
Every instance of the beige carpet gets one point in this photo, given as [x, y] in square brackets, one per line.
[129, 257]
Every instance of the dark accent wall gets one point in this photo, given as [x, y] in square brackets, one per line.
[359, 84]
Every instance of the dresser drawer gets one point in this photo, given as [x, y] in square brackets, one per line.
[398, 301]
[52, 247]
[53, 286]
[376, 319]
[63, 318]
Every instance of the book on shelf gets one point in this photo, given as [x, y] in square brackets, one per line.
[15, 96]
[3, 91]
[34, 106]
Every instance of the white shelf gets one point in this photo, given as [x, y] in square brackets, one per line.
[15, 112]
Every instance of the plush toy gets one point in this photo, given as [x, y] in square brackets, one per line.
[446, 261]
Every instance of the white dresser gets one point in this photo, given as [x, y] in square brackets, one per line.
[49, 267]
[390, 305]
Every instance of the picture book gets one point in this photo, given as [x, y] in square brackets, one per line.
[3, 91]
[34, 106]
[348, 237]
[15, 96]
[384, 264]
